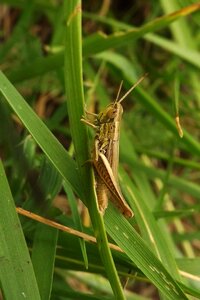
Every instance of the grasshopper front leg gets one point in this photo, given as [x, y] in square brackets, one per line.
[87, 122]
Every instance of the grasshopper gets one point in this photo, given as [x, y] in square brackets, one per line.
[105, 153]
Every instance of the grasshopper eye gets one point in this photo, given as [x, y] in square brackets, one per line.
[112, 113]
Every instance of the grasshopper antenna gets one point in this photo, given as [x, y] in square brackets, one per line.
[132, 88]
[120, 87]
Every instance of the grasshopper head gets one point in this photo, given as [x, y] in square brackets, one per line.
[111, 113]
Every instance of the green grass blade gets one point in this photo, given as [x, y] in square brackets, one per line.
[45, 237]
[137, 250]
[100, 42]
[189, 55]
[74, 91]
[149, 228]
[190, 265]
[16, 272]
[180, 30]
[44, 138]
[77, 219]
[43, 256]
[184, 37]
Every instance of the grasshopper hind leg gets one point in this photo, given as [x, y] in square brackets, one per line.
[102, 194]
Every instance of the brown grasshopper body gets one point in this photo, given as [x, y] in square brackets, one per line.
[105, 155]
[105, 158]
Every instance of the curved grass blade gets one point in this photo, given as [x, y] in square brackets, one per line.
[44, 138]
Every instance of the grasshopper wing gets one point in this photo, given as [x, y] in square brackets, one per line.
[105, 172]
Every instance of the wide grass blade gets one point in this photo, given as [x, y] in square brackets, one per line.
[16, 271]
[44, 138]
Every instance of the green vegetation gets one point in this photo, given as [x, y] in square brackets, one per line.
[56, 58]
